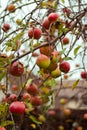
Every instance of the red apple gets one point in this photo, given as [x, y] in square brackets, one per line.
[26, 96]
[6, 27]
[11, 7]
[51, 113]
[67, 112]
[43, 61]
[67, 11]
[16, 69]
[65, 40]
[35, 33]
[85, 116]
[45, 90]
[83, 74]
[46, 23]
[66, 76]
[56, 73]
[12, 97]
[32, 89]
[60, 127]
[48, 38]
[17, 107]
[53, 17]
[85, 27]
[14, 87]
[79, 128]
[36, 101]
[46, 50]
[34, 54]
[2, 128]
[64, 67]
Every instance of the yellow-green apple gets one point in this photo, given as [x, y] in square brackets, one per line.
[60, 127]
[56, 73]
[43, 61]
[41, 118]
[67, 112]
[54, 56]
[52, 66]
[45, 90]
[63, 101]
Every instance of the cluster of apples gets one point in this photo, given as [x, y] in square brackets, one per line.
[19, 107]
[67, 114]
[52, 63]
[49, 58]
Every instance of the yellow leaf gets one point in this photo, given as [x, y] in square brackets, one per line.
[75, 84]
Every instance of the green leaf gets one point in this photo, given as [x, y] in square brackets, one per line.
[6, 123]
[76, 50]
[50, 82]
[34, 119]
[67, 58]
[2, 75]
[63, 1]
[75, 84]
[29, 81]
[62, 52]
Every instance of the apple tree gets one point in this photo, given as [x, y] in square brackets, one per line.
[43, 38]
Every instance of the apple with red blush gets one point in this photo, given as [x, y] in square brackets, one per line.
[52, 17]
[36, 101]
[32, 89]
[2, 128]
[35, 33]
[16, 69]
[17, 107]
[64, 66]
[43, 61]
[26, 96]
[11, 7]
[83, 74]
[65, 40]
[46, 23]
[6, 27]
